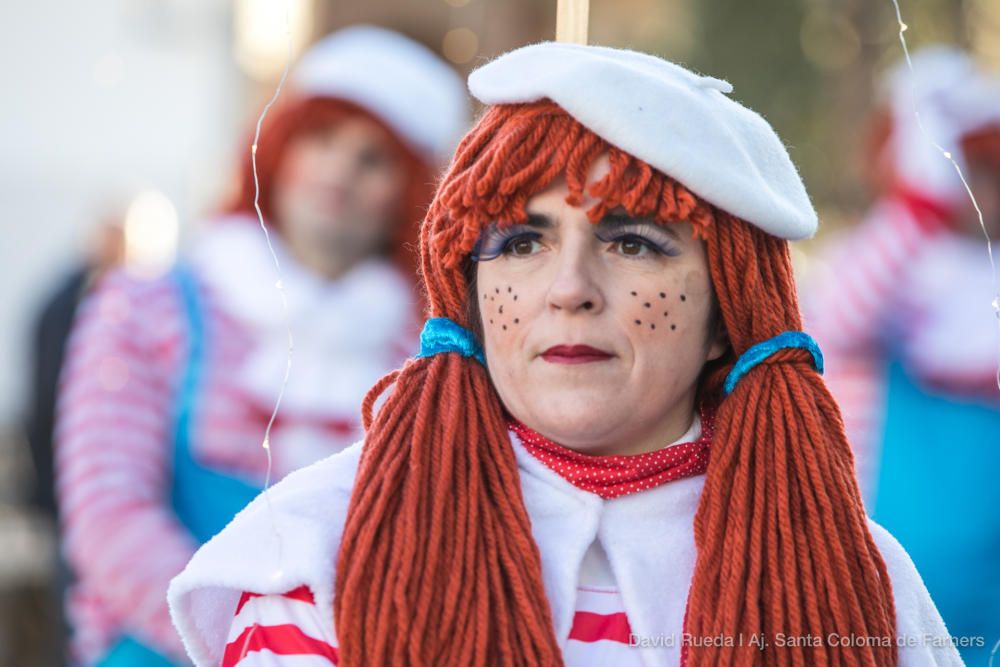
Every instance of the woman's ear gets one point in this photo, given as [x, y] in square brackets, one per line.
[718, 338]
[718, 345]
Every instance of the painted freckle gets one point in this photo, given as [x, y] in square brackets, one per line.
[652, 326]
[501, 310]
[508, 289]
[498, 290]
[673, 326]
[638, 322]
[515, 297]
[633, 293]
[646, 304]
[505, 327]
[516, 320]
[683, 298]
[663, 295]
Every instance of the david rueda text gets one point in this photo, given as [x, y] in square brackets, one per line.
[687, 639]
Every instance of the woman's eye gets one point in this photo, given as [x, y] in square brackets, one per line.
[639, 240]
[513, 241]
[521, 245]
[634, 246]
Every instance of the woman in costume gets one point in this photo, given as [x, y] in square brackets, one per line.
[171, 382]
[614, 446]
[901, 306]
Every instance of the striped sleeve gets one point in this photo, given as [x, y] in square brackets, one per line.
[113, 456]
[848, 298]
[286, 630]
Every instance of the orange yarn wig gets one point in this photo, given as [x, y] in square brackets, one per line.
[300, 116]
[438, 566]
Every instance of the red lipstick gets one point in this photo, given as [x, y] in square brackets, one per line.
[574, 354]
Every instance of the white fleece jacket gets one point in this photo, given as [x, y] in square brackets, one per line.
[290, 537]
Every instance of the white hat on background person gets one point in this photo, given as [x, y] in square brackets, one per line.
[954, 97]
[398, 80]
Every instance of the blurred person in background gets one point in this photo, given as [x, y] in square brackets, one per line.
[901, 306]
[170, 383]
[49, 333]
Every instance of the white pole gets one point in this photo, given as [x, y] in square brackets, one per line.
[571, 21]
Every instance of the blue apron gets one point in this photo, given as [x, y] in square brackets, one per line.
[203, 499]
[939, 493]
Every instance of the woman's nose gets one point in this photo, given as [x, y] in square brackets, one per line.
[575, 285]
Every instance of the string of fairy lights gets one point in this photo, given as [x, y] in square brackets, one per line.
[279, 285]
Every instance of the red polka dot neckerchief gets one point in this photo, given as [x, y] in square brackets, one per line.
[614, 476]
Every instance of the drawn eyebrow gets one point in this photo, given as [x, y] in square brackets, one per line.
[539, 221]
[609, 223]
[613, 221]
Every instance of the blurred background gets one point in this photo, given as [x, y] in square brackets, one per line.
[122, 120]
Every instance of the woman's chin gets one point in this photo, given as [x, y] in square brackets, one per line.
[581, 426]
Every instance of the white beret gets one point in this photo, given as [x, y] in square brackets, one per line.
[679, 122]
[398, 80]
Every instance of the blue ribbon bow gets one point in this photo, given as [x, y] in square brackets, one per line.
[762, 351]
[443, 335]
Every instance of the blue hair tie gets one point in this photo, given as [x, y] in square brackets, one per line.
[762, 351]
[443, 335]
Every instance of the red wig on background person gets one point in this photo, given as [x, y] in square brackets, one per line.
[296, 116]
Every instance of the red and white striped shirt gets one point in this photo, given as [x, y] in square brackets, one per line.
[269, 628]
[114, 445]
[288, 630]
